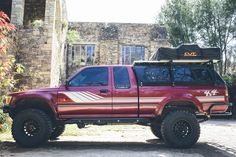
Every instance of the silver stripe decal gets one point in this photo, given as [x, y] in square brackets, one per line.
[72, 96]
[153, 105]
[84, 99]
[95, 95]
[125, 105]
[89, 95]
[84, 105]
[85, 96]
[82, 96]
[115, 105]
[79, 97]
[211, 98]
[151, 99]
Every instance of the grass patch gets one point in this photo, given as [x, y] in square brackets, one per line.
[73, 130]
[6, 136]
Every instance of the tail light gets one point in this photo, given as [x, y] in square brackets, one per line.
[226, 95]
[226, 92]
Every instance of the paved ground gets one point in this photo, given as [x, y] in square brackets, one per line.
[218, 139]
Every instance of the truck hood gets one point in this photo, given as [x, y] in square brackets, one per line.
[36, 90]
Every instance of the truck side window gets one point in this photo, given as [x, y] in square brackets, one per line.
[91, 77]
[191, 75]
[182, 74]
[121, 78]
[153, 75]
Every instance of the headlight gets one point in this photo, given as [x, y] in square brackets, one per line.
[7, 100]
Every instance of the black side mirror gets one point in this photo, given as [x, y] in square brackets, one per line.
[67, 84]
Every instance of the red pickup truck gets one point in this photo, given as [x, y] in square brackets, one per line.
[167, 96]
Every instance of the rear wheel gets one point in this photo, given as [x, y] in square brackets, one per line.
[156, 130]
[180, 129]
[31, 128]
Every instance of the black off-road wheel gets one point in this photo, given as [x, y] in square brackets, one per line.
[156, 130]
[57, 131]
[31, 128]
[180, 129]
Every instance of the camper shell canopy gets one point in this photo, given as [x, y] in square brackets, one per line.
[187, 52]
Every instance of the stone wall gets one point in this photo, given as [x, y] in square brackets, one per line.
[109, 37]
[33, 51]
[40, 49]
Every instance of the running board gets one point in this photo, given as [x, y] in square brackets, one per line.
[109, 120]
[222, 114]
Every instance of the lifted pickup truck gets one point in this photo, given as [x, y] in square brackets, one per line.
[168, 96]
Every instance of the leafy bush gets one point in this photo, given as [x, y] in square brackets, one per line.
[3, 122]
[230, 80]
[72, 36]
[8, 67]
[37, 23]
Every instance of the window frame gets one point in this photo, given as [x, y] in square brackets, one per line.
[123, 53]
[79, 48]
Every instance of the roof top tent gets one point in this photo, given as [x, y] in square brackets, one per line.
[190, 53]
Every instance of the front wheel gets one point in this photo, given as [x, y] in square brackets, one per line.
[31, 128]
[156, 130]
[57, 131]
[180, 129]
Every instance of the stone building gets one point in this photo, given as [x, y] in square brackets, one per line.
[39, 39]
[41, 35]
[114, 43]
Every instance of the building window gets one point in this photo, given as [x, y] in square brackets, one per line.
[83, 54]
[132, 53]
[34, 10]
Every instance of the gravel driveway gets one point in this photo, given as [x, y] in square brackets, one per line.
[218, 139]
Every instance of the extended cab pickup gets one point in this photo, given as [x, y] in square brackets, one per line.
[167, 96]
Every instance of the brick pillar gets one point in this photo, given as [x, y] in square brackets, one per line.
[50, 16]
[17, 13]
[50, 12]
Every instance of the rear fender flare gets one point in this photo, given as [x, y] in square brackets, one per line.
[175, 99]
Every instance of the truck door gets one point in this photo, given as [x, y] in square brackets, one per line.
[125, 95]
[154, 84]
[88, 94]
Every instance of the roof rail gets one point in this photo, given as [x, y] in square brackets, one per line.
[174, 61]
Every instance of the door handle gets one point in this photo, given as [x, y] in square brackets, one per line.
[104, 91]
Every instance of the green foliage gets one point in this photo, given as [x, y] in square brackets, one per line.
[37, 23]
[8, 67]
[3, 121]
[230, 80]
[72, 36]
[209, 22]
[177, 16]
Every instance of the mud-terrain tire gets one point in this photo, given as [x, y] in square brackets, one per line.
[31, 128]
[57, 131]
[156, 130]
[180, 129]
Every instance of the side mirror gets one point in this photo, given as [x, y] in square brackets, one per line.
[67, 84]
